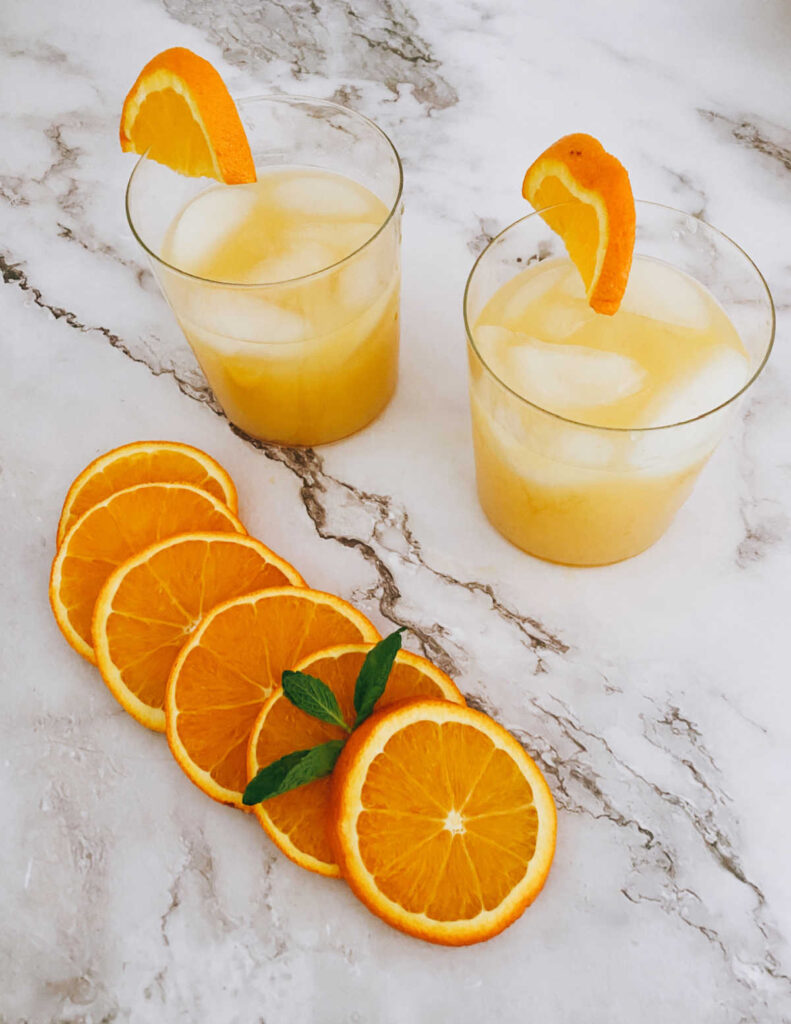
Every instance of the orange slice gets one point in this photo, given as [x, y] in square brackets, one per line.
[114, 530]
[151, 604]
[297, 821]
[144, 462]
[180, 113]
[230, 665]
[441, 823]
[597, 222]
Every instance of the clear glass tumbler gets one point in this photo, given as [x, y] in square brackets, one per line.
[328, 365]
[578, 494]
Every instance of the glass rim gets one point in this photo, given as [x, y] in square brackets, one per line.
[594, 426]
[285, 99]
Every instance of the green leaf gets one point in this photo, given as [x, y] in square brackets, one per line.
[293, 770]
[313, 697]
[374, 674]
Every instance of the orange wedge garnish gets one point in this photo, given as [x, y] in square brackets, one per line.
[180, 113]
[597, 220]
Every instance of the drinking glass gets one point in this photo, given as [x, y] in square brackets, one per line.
[579, 494]
[337, 370]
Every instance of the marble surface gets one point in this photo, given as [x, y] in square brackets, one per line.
[654, 694]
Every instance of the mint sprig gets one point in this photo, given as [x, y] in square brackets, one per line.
[292, 771]
[374, 673]
[313, 697]
[316, 699]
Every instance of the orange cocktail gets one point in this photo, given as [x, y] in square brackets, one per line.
[287, 287]
[591, 427]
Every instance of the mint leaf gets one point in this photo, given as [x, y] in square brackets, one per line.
[313, 697]
[291, 771]
[374, 674]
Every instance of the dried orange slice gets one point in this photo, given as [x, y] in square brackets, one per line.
[230, 665]
[151, 604]
[144, 462]
[597, 220]
[180, 113]
[441, 823]
[114, 530]
[297, 820]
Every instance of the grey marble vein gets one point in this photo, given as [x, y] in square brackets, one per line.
[128, 896]
[189, 383]
[765, 519]
[692, 195]
[588, 776]
[487, 229]
[379, 516]
[381, 41]
[657, 863]
[321, 494]
[770, 140]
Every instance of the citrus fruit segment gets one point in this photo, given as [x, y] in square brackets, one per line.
[152, 602]
[114, 530]
[584, 194]
[441, 823]
[297, 821]
[230, 665]
[144, 462]
[180, 114]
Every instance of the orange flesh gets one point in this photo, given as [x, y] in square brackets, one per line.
[456, 840]
[180, 114]
[160, 602]
[154, 465]
[238, 659]
[302, 813]
[184, 146]
[597, 224]
[578, 227]
[127, 522]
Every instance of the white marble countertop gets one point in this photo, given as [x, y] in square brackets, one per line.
[655, 694]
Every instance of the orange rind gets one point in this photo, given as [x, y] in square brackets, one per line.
[585, 196]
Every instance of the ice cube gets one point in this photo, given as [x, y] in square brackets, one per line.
[301, 258]
[556, 322]
[659, 452]
[240, 315]
[572, 284]
[323, 196]
[664, 293]
[584, 447]
[345, 238]
[713, 383]
[494, 344]
[536, 283]
[209, 219]
[558, 377]
[568, 376]
[351, 237]
[362, 281]
[540, 448]
[663, 452]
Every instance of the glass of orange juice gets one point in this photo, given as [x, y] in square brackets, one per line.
[286, 289]
[589, 431]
